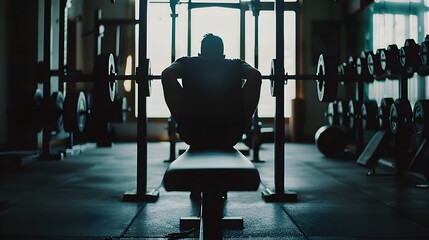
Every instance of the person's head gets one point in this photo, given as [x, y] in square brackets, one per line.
[211, 47]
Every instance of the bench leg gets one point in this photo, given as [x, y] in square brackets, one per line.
[211, 221]
[211, 215]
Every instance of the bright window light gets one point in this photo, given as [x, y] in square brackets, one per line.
[267, 53]
[393, 29]
[128, 71]
[224, 22]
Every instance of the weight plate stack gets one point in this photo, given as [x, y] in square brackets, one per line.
[421, 119]
[332, 113]
[409, 57]
[328, 86]
[369, 115]
[342, 110]
[362, 68]
[401, 117]
[354, 115]
[384, 113]
[55, 111]
[374, 66]
[119, 110]
[392, 66]
[75, 111]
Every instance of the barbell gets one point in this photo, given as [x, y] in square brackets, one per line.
[326, 76]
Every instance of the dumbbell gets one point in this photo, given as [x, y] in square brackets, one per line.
[362, 72]
[332, 113]
[401, 117]
[424, 57]
[342, 110]
[421, 119]
[369, 115]
[384, 113]
[392, 65]
[354, 115]
[409, 57]
[375, 61]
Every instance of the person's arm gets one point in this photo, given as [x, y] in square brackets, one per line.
[251, 89]
[173, 92]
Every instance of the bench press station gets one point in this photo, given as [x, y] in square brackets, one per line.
[214, 171]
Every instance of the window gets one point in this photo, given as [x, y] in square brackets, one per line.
[267, 53]
[393, 24]
[224, 22]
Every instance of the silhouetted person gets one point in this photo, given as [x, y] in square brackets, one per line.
[217, 97]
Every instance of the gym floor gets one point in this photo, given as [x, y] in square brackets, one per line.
[81, 198]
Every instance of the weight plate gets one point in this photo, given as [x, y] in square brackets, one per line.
[424, 53]
[104, 69]
[354, 114]
[273, 74]
[332, 113]
[374, 66]
[342, 110]
[409, 57]
[369, 115]
[81, 111]
[393, 66]
[362, 67]
[420, 119]
[55, 112]
[400, 117]
[384, 113]
[424, 69]
[327, 87]
[75, 112]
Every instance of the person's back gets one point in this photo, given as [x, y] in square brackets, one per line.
[210, 108]
[212, 113]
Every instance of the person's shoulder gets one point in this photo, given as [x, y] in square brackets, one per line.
[182, 59]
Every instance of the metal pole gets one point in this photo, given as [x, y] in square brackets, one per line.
[46, 143]
[359, 129]
[279, 135]
[242, 32]
[279, 148]
[141, 194]
[142, 111]
[189, 27]
[256, 141]
[61, 48]
[171, 122]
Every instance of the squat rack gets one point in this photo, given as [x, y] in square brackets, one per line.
[143, 80]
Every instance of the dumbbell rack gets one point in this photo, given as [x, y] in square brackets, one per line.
[403, 138]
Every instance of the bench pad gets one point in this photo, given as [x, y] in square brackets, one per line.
[225, 170]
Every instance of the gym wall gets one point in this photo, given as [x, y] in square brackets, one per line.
[3, 75]
[18, 71]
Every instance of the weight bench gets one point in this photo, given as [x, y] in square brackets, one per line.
[212, 172]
